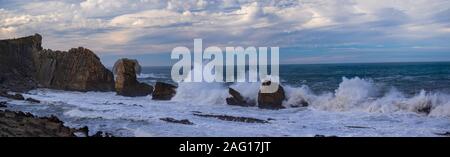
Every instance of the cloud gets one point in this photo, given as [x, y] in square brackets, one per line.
[157, 26]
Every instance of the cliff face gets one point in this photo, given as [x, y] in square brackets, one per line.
[78, 69]
[17, 62]
[24, 65]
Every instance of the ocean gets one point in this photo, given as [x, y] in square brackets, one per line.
[370, 99]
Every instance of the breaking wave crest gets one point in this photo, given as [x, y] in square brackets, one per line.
[352, 94]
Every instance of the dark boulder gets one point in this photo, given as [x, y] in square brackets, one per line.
[3, 104]
[271, 100]
[163, 91]
[236, 99]
[172, 120]
[32, 100]
[126, 81]
[16, 96]
[79, 69]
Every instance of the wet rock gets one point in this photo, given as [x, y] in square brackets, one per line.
[425, 107]
[301, 103]
[237, 99]
[359, 127]
[324, 136]
[3, 104]
[126, 82]
[163, 91]
[172, 120]
[271, 100]
[20, 124]
[16, 96]
[232, 118]
[443, 134]
[102, 134]
[32, 100]
[79, 69]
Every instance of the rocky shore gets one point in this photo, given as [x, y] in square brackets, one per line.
[25, 65]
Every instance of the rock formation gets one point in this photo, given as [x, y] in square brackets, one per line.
[237, 99]
[163, 91]
[78, 69]
[17, 63]
[271, 100]
[126, 81]
[24, 65]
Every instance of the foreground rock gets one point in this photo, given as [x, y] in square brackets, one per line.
[163, 91]
[126, 81]
[3, 104]
[236, 99]
[16, 96]
[19, 124]
[78, 69]
[271, 100]
[17, 63]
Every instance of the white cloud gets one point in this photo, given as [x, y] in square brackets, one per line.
[147, 26]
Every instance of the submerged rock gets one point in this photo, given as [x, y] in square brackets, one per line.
[271, 100]
[32, 100]
[232, 118]
[79, 69]
[163, 91]
[237, 99]
[126, 81]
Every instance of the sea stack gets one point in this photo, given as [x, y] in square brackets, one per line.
[126, 81]
[271, 100]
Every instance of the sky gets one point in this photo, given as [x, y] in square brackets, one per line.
[307, 31]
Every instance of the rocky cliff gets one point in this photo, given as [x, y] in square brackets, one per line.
[17, 62]
[24, 65]
[78, 69]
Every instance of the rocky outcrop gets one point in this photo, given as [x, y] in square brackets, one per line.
[24, 65]
[78, 69]
[236, 99]
[232, 118]
[126, 81]
[16, 96]
[271, 100]
[17, 63]
[163, 91]
[172, 120]
[19, 124]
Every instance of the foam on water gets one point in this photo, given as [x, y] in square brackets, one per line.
[356, 102]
